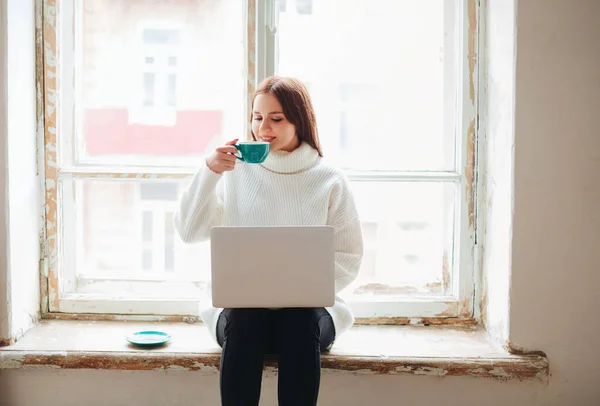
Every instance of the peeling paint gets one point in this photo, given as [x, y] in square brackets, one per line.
[122, 317]
[190, 319]
[531, 367]
[446, 276]
[48, 51]
[417, 321]
[469, 123]
[451, 310]
[40, 150]
[87, 174]
[483, 303]
[470, 174]
[500, 372]
[526, 367]
[430, 371]
[472, 47]
[104, 360]
[5, 342]
[464, 308]
[470, 135]
[512, 349]
[50, 184]
[251, 58]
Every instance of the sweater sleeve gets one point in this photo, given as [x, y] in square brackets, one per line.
[348, 241]
[200, 207]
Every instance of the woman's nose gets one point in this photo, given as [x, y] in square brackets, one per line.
[264, 125]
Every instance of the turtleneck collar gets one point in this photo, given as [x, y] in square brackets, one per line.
[300, 159]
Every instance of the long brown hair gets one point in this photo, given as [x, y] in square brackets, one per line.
[297, 107]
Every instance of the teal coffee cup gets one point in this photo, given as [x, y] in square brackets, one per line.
[253, 152]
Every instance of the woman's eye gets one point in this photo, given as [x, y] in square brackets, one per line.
[277, 119]
[257, 118]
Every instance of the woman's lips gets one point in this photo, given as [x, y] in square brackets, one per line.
[266, 138]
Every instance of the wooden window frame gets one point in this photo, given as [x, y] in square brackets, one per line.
[261, 49]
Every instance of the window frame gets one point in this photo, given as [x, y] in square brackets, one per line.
[261, 53]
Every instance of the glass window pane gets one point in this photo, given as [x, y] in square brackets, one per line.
[125, 232]
[159, 83]
[407, 231]
[162, 37]
[169, 242]
[382, 80]
[282, 5]
[147, 225]
[172, 91]
[304, 6]
[164, 190]
[147, 260]
[148, 89]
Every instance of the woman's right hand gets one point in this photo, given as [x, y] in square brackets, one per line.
[223, 159]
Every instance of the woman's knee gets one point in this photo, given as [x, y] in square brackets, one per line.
[305, 328]
[310, 315]
[241, 323]
[245, 319]
[304, 322]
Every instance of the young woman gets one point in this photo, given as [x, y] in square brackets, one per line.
[293, 186]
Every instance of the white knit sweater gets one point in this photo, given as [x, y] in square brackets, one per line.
[287, 189]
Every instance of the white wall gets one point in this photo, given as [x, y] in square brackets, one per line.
[4, 311]
[177, 388]
[556, 229]
[555, 252]
[20, 253]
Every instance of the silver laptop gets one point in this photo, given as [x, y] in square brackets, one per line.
[272, 266]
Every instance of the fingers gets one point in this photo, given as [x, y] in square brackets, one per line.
[228, 158]
[227, 149]
[220, 163]
[224, 158]
[228, 165]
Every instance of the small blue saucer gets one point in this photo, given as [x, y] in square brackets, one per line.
[148, 338]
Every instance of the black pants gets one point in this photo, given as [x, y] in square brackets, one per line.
[296, 336]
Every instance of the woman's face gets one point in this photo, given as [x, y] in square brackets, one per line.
[270, 125]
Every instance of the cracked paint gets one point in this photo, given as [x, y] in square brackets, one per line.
[5, 342]
[251, 58]
[122, 317]
[525, 367]
[49, 13]
[430, 371]
[417, 321]
[470, 174]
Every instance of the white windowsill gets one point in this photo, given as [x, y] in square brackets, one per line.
[431, 350]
